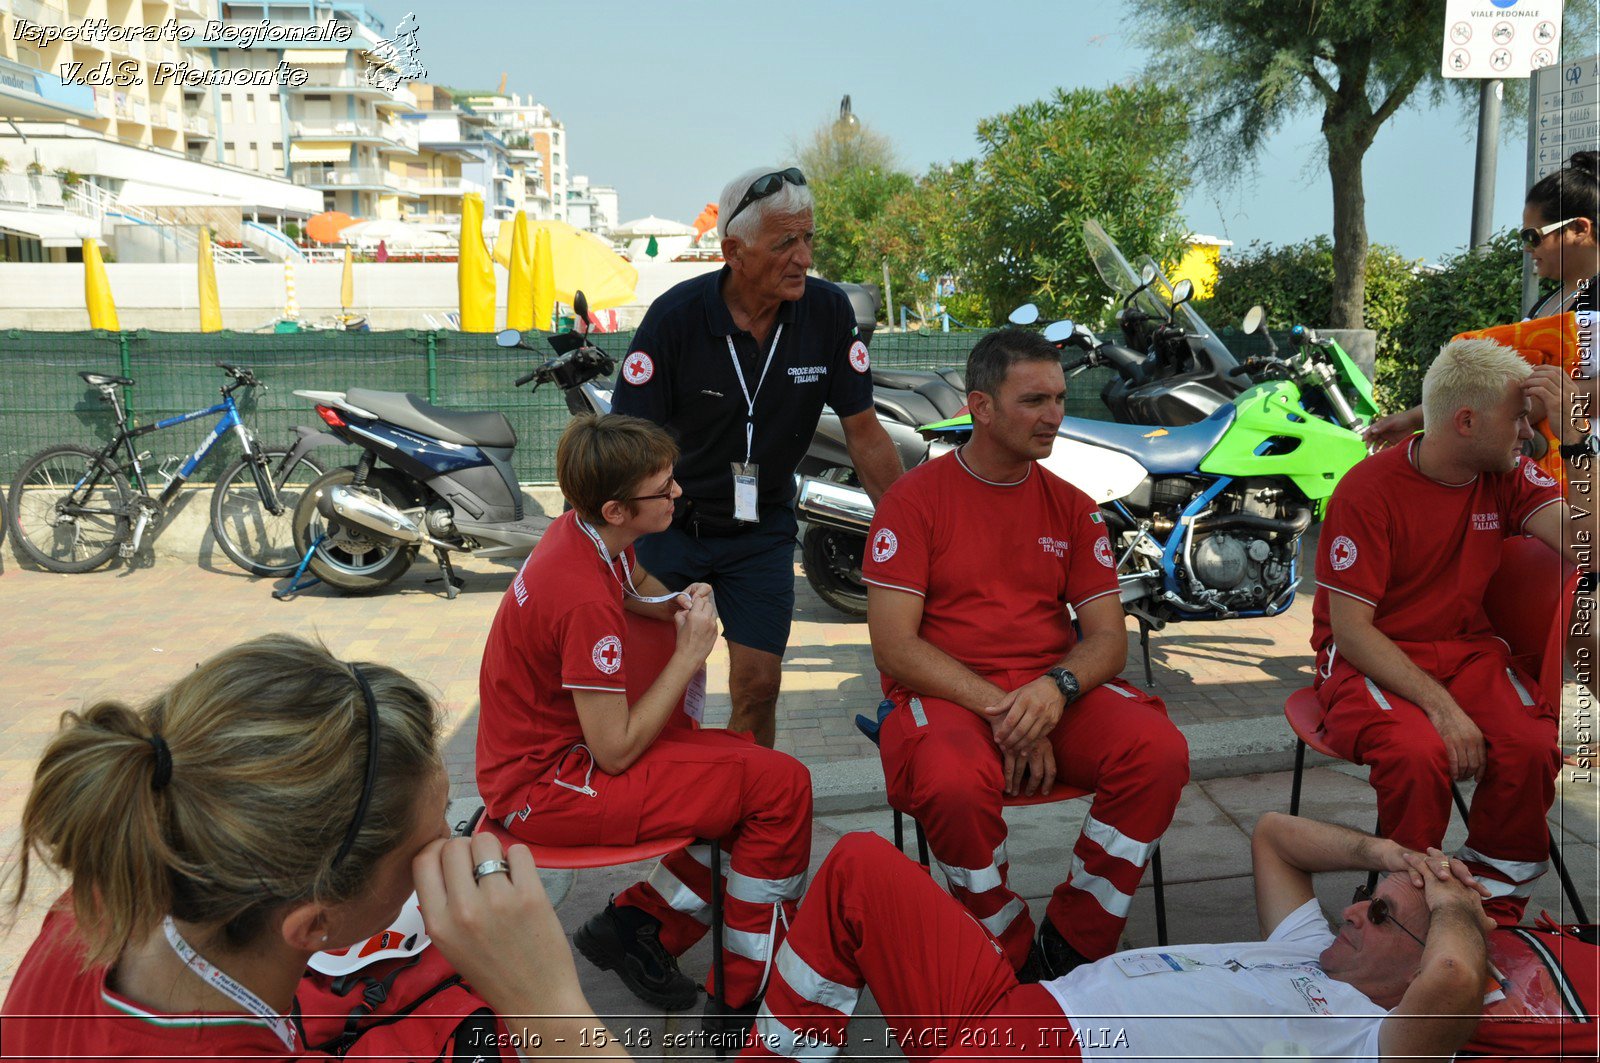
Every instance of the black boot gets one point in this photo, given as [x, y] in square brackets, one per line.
[1050, 957]
[628, 941]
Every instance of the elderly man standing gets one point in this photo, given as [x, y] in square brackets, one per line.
[737, 365]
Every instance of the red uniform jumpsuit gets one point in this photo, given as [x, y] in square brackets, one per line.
[997, 566]
[1421, 554]
[561, 627]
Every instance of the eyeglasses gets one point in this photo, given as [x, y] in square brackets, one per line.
[1533, 237]
[1378, 912]
[764, 186]
[671, 483]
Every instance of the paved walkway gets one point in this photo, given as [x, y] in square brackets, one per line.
[66, 640]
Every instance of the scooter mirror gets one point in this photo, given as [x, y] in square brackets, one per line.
[508, 337]
[1253, 319]
[1148, 272]
[580, 310]
[1058, 331]
[1182, 292]
[1026, 314]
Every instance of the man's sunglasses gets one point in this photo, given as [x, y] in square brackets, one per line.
[1378, 912]
[1533, 237]
[764, 186]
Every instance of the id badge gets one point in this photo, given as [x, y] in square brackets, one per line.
[746, 490]
[694, 697]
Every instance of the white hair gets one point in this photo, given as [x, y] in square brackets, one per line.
[789, 199]
[1469, 374]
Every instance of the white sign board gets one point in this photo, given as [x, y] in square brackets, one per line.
[1563, 114]
[1500, 38]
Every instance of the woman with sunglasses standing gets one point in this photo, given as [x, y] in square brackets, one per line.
[1561, 234]
[273, 803]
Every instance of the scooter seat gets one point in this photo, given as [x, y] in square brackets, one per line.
[905, 379]
[483, 429]
[905, 407]
[1162, 451]
[946, 399]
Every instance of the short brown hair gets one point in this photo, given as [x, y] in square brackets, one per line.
[602, 457]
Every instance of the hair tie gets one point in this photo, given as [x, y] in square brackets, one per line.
[163, 772]
[372, 767]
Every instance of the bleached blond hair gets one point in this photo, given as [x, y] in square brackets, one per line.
[1469, 374]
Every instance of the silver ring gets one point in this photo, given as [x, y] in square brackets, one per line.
[490, 867]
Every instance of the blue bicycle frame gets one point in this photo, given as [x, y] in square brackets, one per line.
[229, 422]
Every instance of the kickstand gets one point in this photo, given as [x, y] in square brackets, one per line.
[452, 582]
[1144, 644]
[295, 586]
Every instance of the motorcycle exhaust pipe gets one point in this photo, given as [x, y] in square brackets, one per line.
[1295, 525]
[341, 503]
[834, 505]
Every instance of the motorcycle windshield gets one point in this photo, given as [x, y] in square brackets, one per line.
[1191, 321]
[1114, 269]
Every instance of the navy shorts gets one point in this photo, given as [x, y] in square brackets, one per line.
[751, 573]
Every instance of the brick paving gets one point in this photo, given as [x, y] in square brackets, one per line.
[67, 640]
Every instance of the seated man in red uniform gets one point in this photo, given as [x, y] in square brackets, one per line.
[575, 749]
[1412, 678]
[974, 561]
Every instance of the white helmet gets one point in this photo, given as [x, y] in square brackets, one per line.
[405, 937]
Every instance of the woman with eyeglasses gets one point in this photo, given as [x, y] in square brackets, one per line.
[1561, 234]
[271, 804]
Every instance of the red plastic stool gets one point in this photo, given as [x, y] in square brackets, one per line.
[580, 857]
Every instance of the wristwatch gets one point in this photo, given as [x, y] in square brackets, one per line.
[1586, 445]
[1065, 682]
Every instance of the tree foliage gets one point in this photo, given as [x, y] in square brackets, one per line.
[1249, 65]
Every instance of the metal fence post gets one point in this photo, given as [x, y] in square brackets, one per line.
[433, 367]
[126, 369]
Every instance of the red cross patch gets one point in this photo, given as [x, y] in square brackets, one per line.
[607, 654]
[638, 368]
[1537, 476]
[1342, 554]
[859, 361]
[884, 544]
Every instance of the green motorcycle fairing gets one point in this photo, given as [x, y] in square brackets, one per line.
[1273, 435]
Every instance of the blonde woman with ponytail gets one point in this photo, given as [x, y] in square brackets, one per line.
[271, 804]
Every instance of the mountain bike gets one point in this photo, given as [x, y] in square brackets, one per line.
[73, 508]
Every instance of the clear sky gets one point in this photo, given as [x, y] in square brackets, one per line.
[668, 100]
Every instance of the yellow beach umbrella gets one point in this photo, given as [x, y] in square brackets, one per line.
[474, 269]
[544, 281]
[347, 283]
[97, 289]
[502, 244]
[583, 260]
[519, 291]
[210, 305]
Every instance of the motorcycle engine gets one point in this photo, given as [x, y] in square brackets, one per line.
[1246, 566]
[439, 523]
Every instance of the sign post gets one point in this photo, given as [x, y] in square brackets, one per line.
[1492, 40]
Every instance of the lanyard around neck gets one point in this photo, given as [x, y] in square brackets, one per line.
[229, 986]
[626, 579]
[750, 396]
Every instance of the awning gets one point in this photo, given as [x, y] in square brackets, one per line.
[51, 228]
[315, 56]
[319, 152]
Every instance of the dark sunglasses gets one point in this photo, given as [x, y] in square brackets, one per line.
[1532, 237]
[1378, 912]
[764, 186]
[671, 483]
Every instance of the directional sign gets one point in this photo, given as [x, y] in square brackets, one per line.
[1500, 38]
[1564, 115]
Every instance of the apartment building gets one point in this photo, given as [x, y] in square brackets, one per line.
[591, 207]
[459, 152]
[536, 140]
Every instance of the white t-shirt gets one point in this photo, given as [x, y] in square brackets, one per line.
[1235, 1001]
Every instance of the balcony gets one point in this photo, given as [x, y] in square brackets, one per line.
[398, 137]
[445, 186]
[39, 12]
[197, 125]
[329, 129]
[355, 178]
[31, 191]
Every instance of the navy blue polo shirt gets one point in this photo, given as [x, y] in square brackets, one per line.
[679, 374]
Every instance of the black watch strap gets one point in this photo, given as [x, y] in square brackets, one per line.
[1066, 683]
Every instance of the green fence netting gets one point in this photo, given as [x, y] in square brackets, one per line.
[43, 401]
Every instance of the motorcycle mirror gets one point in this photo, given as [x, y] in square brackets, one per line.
[580, 313]
[1148, 272]
[1058, 332]
[1026, 314]
[1182, 292]
[508, 337]
[1253, 319]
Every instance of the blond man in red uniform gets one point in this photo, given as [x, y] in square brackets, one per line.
[973, 564]
[1414, 681]
[575, 749]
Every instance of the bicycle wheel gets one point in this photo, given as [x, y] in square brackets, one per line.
[69, 509]
[253, 537]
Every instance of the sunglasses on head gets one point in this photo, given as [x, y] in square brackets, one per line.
[1532, 237]
[1378, 912]
[764, 186]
